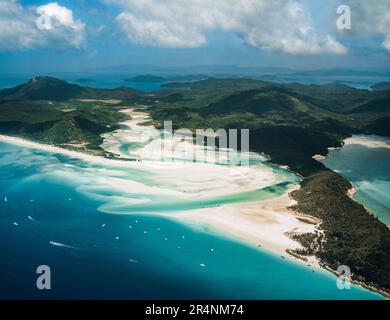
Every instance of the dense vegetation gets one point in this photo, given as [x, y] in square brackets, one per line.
[73, 124]
[352, 236]
[56, 112]
[291, 123]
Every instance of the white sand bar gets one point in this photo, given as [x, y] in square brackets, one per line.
[262, 223]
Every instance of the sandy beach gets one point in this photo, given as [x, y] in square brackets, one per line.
[367, 141]
[49, 148]
[264, 223]
[318, 157]
[70, 153]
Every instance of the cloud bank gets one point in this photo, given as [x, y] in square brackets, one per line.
[281, 25]
[371, 18]
[278, 25]
[31, 27]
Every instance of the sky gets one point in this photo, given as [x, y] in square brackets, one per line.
[78, 35]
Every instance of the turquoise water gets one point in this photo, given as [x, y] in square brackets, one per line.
[368, 169]
[50, 213]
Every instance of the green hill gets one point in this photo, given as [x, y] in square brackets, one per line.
[76, 124]
[42, 88]
[53, 111]
[290, 123]
[48, 88]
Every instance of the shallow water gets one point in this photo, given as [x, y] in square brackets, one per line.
[57, 210]
[368, 168]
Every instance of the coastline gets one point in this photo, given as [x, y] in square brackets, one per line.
[45, 147]
[89, 157]
[365, 141]
[269, 229]
[368, 141]
[352, 191]
[264, 223]
[367, 286]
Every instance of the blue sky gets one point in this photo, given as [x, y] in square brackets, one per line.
[88, 34]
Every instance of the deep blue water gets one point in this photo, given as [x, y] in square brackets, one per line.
[41, 202]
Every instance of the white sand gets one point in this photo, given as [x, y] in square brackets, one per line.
[368, 141]
[261, 223]
[257, 223]
[174, 170]
[319, 157]
[264, 223]
[54, 149]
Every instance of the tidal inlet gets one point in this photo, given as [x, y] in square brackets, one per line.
[191, 151]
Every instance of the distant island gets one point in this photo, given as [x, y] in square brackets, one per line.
[146, 78]
[84, 80]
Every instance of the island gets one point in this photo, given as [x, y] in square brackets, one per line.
[146, 78]
[290, 123]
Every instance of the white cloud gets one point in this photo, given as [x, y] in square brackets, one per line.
[371, 18]
[17, 29]
[21, 27]
[335, 46]
[386, 43]
[60, 24]
[282, 25]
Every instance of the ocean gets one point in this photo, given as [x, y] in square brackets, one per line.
[52, 212]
